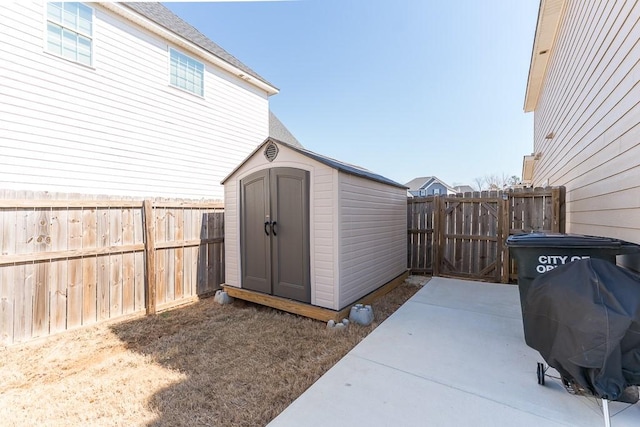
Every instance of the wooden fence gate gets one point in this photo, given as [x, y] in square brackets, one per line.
[464, 235]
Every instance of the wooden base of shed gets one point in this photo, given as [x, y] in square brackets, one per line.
[308, 310]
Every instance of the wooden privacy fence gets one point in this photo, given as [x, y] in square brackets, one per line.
[66, 263]
[465, 235]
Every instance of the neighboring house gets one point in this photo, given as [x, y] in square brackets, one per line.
[428, 186]
[123, 99]
[463, 189]
[583, 89]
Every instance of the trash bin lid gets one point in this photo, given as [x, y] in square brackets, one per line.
[565, 240]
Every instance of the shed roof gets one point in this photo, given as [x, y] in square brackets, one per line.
[333, 163]
[162, 16]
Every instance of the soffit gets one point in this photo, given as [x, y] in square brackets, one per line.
[549, 16]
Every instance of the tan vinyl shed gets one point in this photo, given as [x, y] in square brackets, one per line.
[312, 229]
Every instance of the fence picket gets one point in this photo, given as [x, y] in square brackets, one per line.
[128, 263]
[115, 263]
[7, 272]
[188, 287]
[102, 264]
[161, 255]
[178, 279]
[139, 261]
[42, 243]
[58, 272]
[89, 266]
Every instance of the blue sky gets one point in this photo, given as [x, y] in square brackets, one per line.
[405, 88]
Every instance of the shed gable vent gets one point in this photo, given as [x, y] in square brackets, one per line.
[271, 151]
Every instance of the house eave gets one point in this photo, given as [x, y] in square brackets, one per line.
[549, 15]
[528, 165]
[174, 38]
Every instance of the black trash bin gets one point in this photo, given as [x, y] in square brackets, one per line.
[537, 253]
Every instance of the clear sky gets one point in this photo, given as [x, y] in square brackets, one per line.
[405, 88]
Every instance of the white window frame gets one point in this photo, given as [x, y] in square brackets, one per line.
[186, 73]
[436, 192]
[81, 34]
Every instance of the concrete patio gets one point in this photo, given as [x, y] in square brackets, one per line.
[453, 355]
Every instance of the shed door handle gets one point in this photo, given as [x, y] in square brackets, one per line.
[266, 228]
[273, 228]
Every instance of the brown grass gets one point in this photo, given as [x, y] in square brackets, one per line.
[200, 365]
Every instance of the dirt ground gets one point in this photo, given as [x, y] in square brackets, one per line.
[200, 365]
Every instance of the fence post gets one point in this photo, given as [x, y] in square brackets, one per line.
[504, 229]
[438, 227]
[150, 256]
[555, 216]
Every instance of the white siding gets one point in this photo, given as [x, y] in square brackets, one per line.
[232, 233]
[589, 100]
[323, 221]
[117, 128]
[373, 236]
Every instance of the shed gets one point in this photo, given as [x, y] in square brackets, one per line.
[307, 228]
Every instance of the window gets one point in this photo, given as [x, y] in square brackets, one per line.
[422, 192]
[70, 31]
[186, 73]
[436, 191]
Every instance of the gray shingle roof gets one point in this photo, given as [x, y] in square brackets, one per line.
[159, 14]
[416, 183]
[280, 132]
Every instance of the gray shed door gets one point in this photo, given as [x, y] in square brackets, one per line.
[275, 233]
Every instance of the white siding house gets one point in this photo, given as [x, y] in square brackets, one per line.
[121, 99]
[357, 224]
[583, 90]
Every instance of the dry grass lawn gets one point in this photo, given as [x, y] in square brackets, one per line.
[200, 365]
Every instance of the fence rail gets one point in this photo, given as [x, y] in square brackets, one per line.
[464, 235]
[68, 260]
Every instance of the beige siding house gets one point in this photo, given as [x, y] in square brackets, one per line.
[584, 91]
[357, 225]
[122, 99]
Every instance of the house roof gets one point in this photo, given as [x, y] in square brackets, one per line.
[333, 163]
[464, 189]
[279, 131]
[549, 15]
[162, 16]
[425, 181]
[417, 183]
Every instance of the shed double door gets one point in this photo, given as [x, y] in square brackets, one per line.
[274, 218]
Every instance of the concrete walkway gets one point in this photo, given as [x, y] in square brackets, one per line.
[453, 355]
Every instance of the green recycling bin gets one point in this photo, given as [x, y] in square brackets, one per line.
[537, 253]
